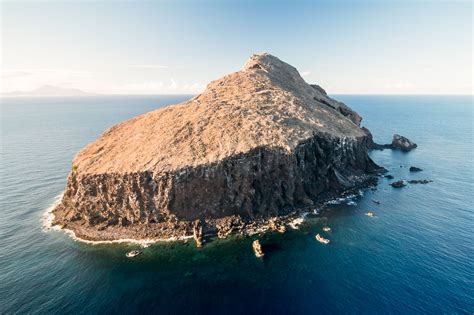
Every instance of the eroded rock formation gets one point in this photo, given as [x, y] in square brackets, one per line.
[257, 143]
[398, 143]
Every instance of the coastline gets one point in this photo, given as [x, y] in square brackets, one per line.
[292, 220]
[47, 225]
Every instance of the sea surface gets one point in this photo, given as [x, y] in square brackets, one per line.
[415, 256]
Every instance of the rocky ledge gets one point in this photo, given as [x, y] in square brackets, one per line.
[259, 143]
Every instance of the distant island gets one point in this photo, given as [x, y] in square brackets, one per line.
[48, 90]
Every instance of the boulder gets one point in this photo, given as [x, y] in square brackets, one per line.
[401, 143]
[276, 224]
[197, 233]
[415, 169]
[398, 184]
[257, 249]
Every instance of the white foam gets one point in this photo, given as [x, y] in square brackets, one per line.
[48, 217]
[349, 199]
[142, 242]
[47, 224]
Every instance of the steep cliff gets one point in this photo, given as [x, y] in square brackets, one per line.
[256, 143]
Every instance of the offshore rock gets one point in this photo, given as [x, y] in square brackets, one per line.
[403, 144]
[398, 143]
[256, 144]
[257, 249]
[398, 184]
[420, 181]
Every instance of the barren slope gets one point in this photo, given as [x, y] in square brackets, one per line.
[267, 103]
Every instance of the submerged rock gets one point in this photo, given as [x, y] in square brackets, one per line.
[415, 169]
[257, 143]
[377, 202]
[420, 181]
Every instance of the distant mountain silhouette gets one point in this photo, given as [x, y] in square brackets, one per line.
[49, 90]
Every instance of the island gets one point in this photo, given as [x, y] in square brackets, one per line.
[48, 91]
[255, 147]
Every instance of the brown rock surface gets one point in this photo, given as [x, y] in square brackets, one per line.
[256, 143]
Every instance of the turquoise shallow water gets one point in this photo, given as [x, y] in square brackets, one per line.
[416, 255]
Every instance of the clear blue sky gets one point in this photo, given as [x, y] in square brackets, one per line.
[417, 47]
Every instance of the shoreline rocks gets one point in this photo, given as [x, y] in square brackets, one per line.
[276, 224]
[197, 233]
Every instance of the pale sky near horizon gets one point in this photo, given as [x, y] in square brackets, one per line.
[177, 47]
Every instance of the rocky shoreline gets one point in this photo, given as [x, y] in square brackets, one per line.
[220, 229]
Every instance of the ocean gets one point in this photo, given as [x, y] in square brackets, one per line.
[415, 256]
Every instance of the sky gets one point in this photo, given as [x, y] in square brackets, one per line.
[177, 47]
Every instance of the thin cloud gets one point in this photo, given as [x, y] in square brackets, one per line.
[173, 85]
[149, 66]
[15, 74]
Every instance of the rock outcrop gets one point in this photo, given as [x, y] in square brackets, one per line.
[398, 143]
[398, 184]
[257, 143]
[257, 249]
[402, 143]
[420, 181]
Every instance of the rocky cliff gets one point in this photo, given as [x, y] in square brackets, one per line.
[257, 143]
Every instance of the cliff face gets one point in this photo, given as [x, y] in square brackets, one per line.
[257, 143]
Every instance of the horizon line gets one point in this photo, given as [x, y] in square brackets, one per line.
[183, 94]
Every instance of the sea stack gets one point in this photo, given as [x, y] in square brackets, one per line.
[257, 143]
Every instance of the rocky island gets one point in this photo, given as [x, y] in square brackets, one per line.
[257, 144]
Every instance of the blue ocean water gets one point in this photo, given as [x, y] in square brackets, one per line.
[415, 256]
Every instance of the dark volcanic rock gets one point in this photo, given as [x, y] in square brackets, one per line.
[370, 141]
[257, 143]
[398, 143]
[388, 176]
[420, 181]
[398, 184]
[402, 143]
[415, 169]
